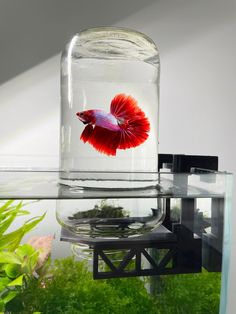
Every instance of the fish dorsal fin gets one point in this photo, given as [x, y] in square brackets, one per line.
[125, 107]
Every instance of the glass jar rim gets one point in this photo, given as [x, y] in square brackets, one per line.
[110, 42]
[115, 30]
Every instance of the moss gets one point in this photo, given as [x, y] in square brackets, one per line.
[73, 290]
[103, 210]
[191, 293]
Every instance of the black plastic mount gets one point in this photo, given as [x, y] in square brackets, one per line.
[173, 248]
[211, 242]
[184, 163]
[163, 253]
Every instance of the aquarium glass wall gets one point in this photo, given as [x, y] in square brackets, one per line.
[48, 267]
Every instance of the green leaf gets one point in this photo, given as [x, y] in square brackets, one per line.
[2, 306]
[11, 240]
[25, 250]
[19, 206]
[6, 223]
[4, 281]
[16, 210]
[12, 270]
[23, 212]
[6, 205]
[7, 218]
[33, 260]
[2, 266]
[9, 258]
[17, 282]
[31, 223]
[29, 255]
[10, 295]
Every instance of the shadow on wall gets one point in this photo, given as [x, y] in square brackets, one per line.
[32, 31]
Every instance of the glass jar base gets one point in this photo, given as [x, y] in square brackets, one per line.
[109, 212]
[111, 228]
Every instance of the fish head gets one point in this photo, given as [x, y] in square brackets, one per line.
[86, 116]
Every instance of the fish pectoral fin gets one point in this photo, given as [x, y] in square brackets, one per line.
[87, 132]
[105, 141]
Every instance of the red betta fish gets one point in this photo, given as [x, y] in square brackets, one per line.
[126, 126]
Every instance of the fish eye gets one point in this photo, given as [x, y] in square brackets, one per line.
[81, 114]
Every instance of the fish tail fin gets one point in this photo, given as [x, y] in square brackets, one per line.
[104, 140]
[134, 124]
[87, 132]
[134, 134]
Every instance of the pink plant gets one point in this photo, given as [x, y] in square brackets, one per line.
[44, 246]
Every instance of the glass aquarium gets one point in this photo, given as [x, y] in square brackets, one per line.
[181, 266]
[109, 107]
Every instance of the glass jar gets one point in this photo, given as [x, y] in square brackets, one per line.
[110, 217]
[109, 108]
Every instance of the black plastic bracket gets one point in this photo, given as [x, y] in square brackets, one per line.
[160, 252]
[183, 163]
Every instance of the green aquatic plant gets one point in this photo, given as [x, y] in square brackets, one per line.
[72, 289]
[17, 262]
[190, 293]
[66, 286]
[102, 210]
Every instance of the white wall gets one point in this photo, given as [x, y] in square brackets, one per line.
[29, 117]
[197, 114]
